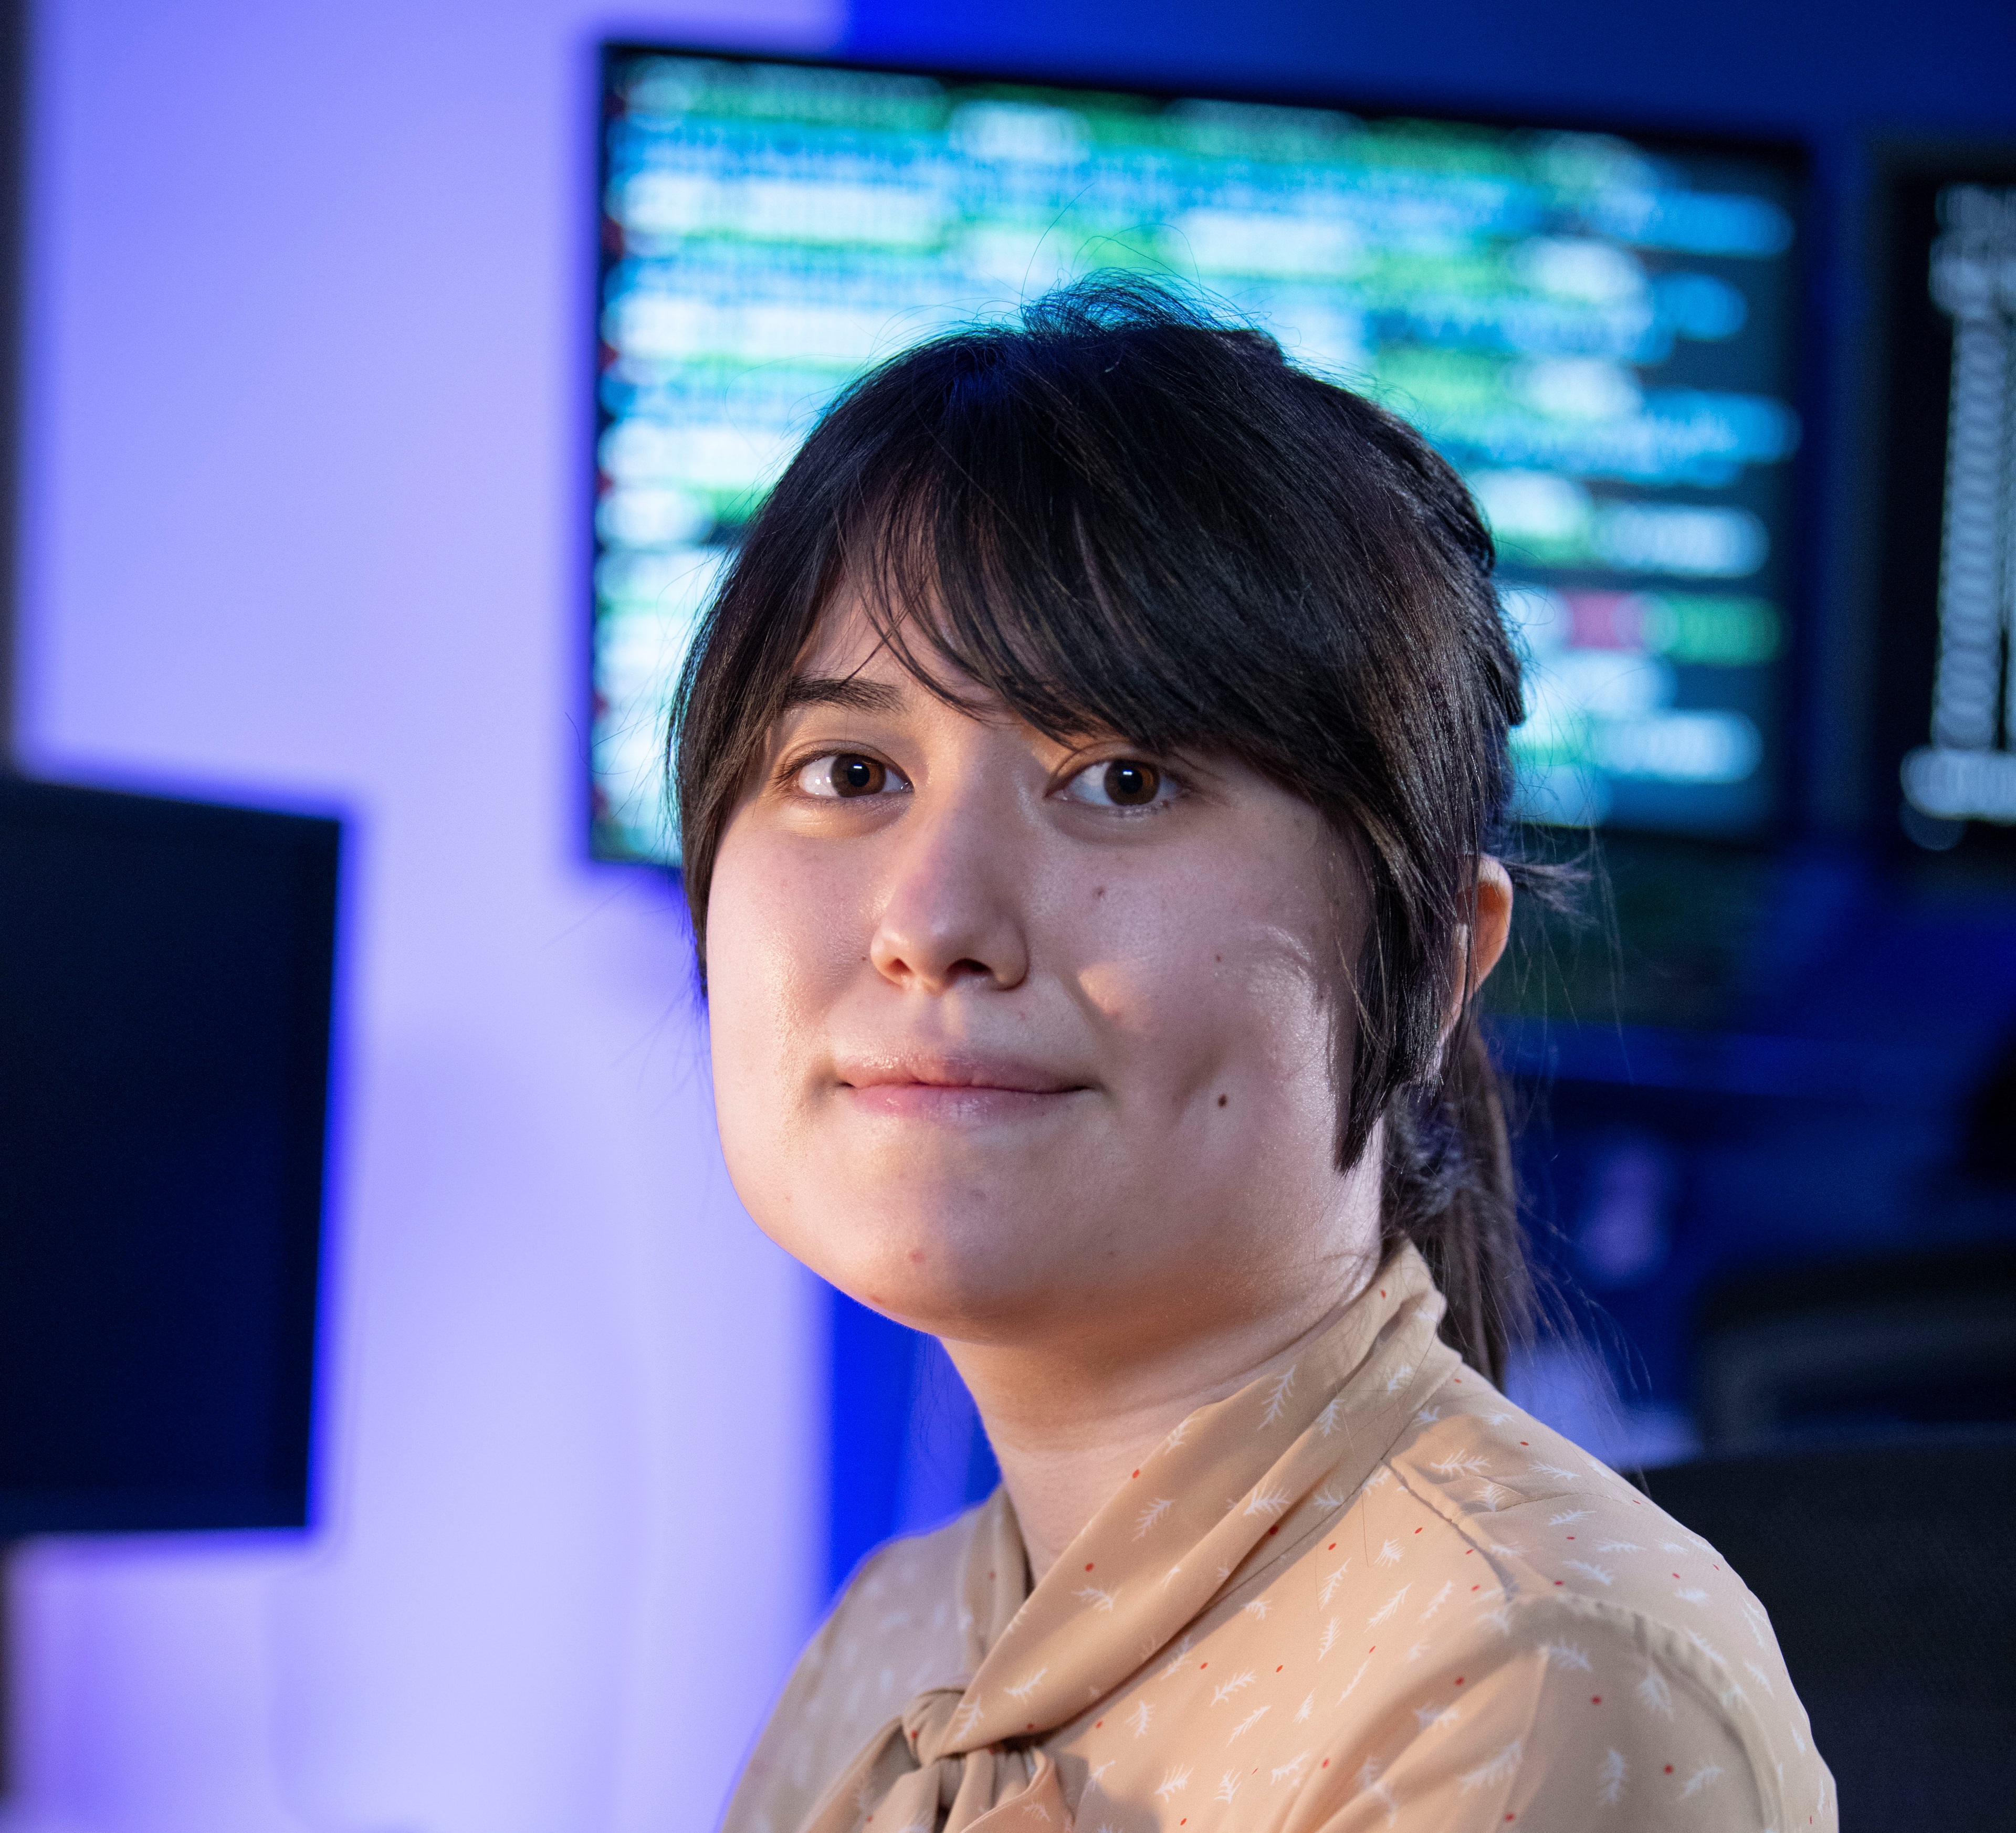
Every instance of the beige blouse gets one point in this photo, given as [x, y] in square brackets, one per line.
[1368, 1592]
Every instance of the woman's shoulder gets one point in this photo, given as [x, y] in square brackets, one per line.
[902, 1611]
[1554, 1522]
[1572, 1639]
[910, 1586]
[896, 1628]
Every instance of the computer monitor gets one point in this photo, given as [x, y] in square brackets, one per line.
[165, 973]
[1596, 329]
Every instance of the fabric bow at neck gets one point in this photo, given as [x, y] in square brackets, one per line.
[1291, 1449]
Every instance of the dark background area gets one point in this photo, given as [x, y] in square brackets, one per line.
[1756, 1069]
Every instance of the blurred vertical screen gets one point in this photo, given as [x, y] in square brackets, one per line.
[164, 1009]
[1596, 330]
[1945, 703]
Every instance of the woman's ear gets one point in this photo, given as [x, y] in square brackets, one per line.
[1480, 942]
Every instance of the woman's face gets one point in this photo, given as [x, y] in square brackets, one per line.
[1013, 1040]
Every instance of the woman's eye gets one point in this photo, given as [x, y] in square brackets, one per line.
[1120, 782]
[846, 775]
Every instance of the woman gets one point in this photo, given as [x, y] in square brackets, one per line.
[1091, 775]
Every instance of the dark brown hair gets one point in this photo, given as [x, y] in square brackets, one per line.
[1126, 516]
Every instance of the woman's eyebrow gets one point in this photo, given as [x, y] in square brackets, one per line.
[849, 691]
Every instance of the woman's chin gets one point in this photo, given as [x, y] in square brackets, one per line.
[955, 1278]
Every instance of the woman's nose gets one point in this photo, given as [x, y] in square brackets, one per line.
[953, 911]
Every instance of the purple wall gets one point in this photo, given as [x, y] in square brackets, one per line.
[305, 352]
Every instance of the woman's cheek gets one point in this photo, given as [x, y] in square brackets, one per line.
[1174, 1022]
[752, 995]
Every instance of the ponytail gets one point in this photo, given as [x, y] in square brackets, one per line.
[1448, 1187]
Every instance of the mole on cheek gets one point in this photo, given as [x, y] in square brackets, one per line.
[1222, 1099]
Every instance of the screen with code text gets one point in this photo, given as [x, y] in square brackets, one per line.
[1596, 330]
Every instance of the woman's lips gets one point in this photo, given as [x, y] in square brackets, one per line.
[955, 1090]
[954, 1106]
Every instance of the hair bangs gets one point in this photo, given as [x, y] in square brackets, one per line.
[942, 562]
[1066, 545]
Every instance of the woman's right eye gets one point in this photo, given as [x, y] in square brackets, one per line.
[846, 775]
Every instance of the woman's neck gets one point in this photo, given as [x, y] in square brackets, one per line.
[1067, 1427]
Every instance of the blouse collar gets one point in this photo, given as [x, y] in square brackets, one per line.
[1238, 1485]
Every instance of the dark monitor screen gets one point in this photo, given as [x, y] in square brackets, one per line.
[1596, 329]
[165, 972]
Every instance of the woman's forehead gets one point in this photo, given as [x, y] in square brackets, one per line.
[846, 640]
[876, 636]
[887, 648]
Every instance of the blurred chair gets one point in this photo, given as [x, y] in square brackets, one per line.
[1804, 1354]
[1885, 1566]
